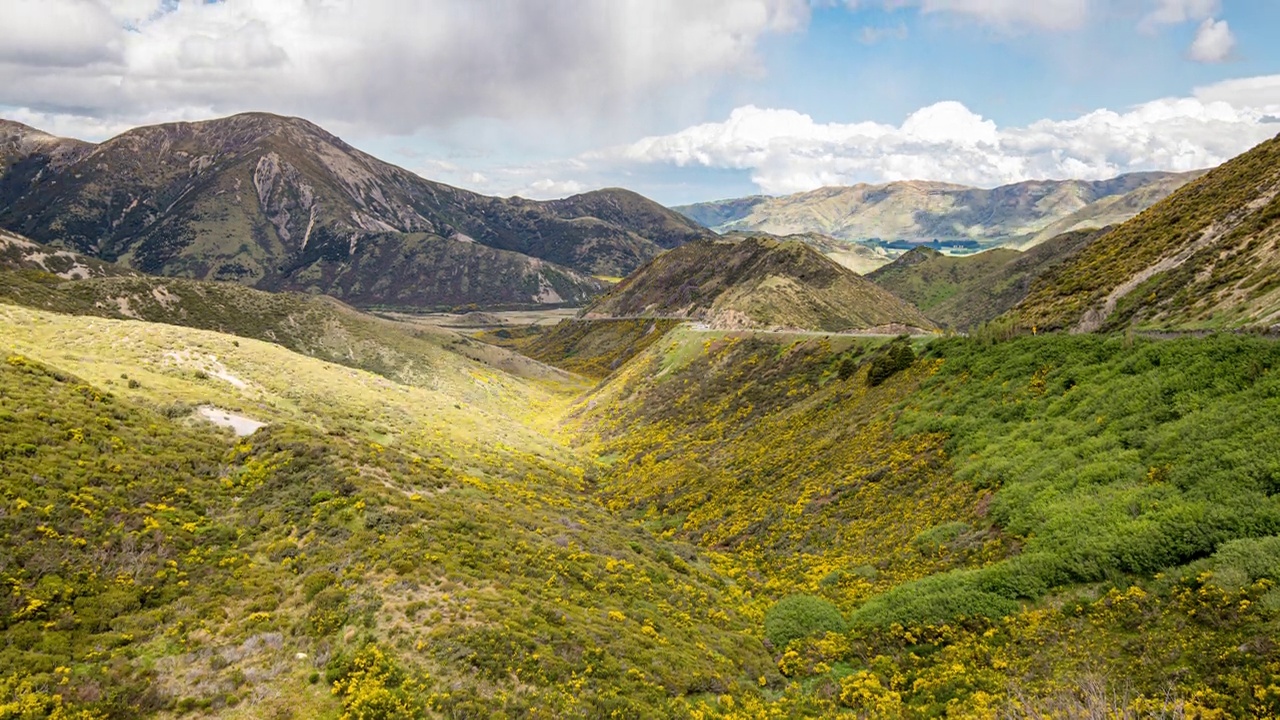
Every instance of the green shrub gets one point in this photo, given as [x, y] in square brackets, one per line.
[935, 599]
[896, 357]
[800, 616]
[1240, 562]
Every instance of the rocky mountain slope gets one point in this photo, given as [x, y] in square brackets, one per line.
[278, 203]
[1016, 214]
[20, 253]
[755, 282]
[960, 292]
[1207, 257]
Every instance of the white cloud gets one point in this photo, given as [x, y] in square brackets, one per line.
[1213, 43]
[787, 151]
[58, 33]
[1175, 12]
[548, 188]
[1261, 92]
[390, 65]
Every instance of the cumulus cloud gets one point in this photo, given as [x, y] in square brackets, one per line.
[1213, 43]
[786, 151]
[392, 65]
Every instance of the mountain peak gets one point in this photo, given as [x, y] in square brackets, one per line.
[756, 281]
[234, 132]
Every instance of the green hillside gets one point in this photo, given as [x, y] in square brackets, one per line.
[19, 253]
[1077, 525]
[962, 292]
[313, 325]
[732, 488]
[405, 547]
[731, 524]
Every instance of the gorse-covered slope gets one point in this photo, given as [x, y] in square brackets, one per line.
[742, 524]
[1011, 214]
[1073, 526]
[755, 282]
[964, 291]
[1207, 257]
[377, 549]
[281, 204]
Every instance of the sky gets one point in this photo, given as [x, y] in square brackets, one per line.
[681, 100]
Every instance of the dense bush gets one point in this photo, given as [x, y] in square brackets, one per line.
[799, 616]
[894, 358]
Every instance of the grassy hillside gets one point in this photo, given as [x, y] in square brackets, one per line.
[743, 525]
[963, 292]
[1204, 258]
[721, 213]
[377, 550]
[859, 258]
[755, 281]
[313, 325]
[1113, 209]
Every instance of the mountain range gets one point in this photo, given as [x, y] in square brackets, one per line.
[280, 204]
[1022, 214]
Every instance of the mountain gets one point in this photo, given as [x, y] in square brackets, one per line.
[20, 143]
[919, 211]
[755, 282]
[961, 292]
[279, 203]
[722, 213]
[1205, 258]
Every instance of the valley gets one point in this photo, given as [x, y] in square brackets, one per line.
[744, 481]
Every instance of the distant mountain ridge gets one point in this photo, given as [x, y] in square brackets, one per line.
[280, 204]
[756, 282]
[1021, 214]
